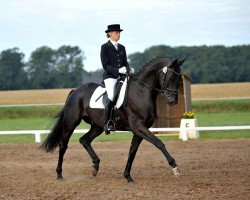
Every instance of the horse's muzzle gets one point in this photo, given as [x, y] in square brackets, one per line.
[172, 100]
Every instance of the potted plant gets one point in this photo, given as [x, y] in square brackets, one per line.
[188, 115]
[188, 121]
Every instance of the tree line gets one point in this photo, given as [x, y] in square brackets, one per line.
[204, 64]
[46, 68]
[64, 67]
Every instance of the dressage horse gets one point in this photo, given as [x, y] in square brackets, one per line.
[161, 75]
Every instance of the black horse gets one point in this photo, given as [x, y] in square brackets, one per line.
[161, 75]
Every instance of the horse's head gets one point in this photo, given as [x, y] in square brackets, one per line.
[170, 79]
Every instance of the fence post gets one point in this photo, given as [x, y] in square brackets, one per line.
[37, 137]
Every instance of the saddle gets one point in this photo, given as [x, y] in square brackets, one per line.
[99, 96]
[99, 99]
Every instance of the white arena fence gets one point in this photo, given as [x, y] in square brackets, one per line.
[183, 132]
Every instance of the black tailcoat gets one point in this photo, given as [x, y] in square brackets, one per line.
[113, 59]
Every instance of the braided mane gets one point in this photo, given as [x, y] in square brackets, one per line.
[152, 61]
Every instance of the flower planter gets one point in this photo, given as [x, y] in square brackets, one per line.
[185, 134]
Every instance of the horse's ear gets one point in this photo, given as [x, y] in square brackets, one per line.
[180, 62]
[174, 63]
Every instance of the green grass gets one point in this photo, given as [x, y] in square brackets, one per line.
[242, 105]
[113, 137]
[204, 119]
[209, 113]
[29, 112]
[25, 123]
[38, 123]
[24, 138]
[223, 118]
[28, 138]
[235, 134]
[229, 118]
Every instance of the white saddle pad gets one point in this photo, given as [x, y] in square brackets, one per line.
[96, 100]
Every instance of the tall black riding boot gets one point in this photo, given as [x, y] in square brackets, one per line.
[108, 126]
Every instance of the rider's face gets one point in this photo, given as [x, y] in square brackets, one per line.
[114, 35]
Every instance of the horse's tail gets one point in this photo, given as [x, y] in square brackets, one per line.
[55, 135]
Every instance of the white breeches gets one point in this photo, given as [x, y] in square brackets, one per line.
[110, 87]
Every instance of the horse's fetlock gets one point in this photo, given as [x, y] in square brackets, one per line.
[96, 161]
[128, 177]
[58, 170]
[173, 163]
[126, 174]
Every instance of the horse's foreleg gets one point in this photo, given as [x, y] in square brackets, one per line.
[143, 132]
[136, 141]
[86, 143]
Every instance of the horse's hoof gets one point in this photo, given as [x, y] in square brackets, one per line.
[59, 177]
[129, 179]
[176, 171]
[131, 183]
[94, 171]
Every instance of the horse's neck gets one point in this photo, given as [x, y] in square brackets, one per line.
[145, 83]
[149, 74]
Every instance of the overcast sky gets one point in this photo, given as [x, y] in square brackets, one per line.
[29, 24]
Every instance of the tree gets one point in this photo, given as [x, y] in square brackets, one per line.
[69, 66]
[12, 72]
[41, 68]
[136, 60]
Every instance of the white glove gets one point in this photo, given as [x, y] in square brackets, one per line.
[122, 70]
[132, 71]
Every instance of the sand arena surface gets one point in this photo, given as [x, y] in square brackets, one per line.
[210, 170]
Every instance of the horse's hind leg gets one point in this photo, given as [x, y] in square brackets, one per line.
[136, 141]
[63, 145]
[86, 143]
[69, 126]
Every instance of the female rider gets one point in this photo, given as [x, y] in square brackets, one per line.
[114, 62]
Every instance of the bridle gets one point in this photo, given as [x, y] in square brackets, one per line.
[165, 90]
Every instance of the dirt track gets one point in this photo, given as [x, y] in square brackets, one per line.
[210, 170]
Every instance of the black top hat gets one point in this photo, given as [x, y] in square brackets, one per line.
[113, 27]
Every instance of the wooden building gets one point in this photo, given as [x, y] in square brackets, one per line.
[170, 116]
